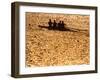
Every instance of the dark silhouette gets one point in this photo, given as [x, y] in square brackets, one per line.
[54, 25]
[58, 26]
[62, 25]
[50, 24]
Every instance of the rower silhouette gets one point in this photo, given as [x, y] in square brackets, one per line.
[54, 25]
[50, 24]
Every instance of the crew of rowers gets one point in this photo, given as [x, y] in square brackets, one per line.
[54, 25]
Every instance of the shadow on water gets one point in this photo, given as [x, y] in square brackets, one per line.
[68, 29]
[60, 26]
[56, 28]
